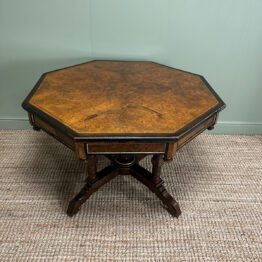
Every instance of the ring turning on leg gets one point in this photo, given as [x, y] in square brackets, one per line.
[127, 165]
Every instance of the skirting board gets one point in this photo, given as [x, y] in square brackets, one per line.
[222, 127]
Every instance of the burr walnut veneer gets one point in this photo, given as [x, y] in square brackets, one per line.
[123, 110]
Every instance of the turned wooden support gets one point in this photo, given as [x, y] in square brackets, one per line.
[124, 165]
[91, 168]
[157, 162]
[145, 177]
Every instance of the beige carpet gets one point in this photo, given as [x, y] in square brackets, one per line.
[216, 179]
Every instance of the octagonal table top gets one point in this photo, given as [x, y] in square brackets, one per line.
[122, 98]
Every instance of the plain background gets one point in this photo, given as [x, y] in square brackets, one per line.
[220, 39]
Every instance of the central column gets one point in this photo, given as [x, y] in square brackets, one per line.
[124, 162]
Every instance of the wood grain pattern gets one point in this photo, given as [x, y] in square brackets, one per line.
[170, 151]
[116, 97]
[80, 149]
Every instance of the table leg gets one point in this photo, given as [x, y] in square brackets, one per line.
[91, 168]
[94, 182]
[155, 184]
[124, 165]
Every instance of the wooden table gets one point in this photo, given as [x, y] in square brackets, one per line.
[124, 110]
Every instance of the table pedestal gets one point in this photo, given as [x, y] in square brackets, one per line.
[124, 165]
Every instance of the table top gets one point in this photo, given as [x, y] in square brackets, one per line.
[122, 98]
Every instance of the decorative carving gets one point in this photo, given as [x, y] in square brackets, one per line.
[146, 178]
[102, 177]
[124, 165]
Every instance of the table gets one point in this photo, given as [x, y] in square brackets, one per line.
[124, 110]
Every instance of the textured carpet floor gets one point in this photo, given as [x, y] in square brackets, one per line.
[216, 179]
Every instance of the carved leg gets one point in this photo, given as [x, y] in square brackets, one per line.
[155, 184]
[94, 182]
[91, 168]
[157, 162]
[124, 165]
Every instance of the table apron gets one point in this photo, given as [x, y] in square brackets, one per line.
[83, 149]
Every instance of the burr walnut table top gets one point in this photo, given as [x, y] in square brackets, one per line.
[124, 111]
[123, 98]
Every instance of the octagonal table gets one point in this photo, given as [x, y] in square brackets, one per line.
[124, 110]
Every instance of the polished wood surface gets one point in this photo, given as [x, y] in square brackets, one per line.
[115, 97]
[103, 148]
[124, 111]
